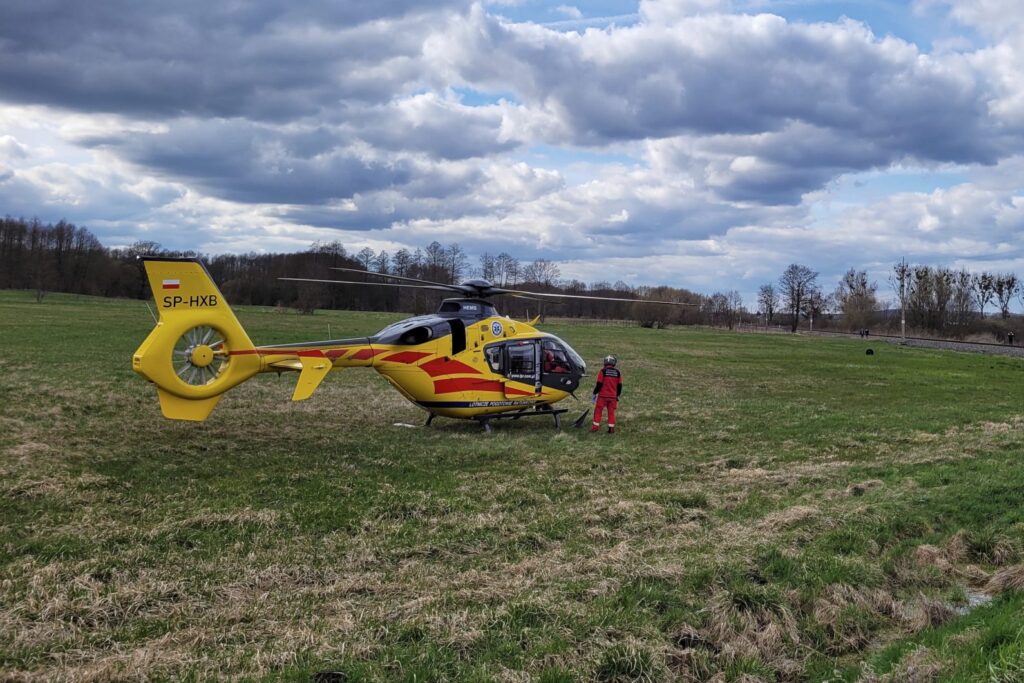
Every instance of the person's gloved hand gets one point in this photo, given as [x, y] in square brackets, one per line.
[593, 398]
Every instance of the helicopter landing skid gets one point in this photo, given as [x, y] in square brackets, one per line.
[555, 415]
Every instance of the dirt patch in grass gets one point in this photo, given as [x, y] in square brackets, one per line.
[860, 488]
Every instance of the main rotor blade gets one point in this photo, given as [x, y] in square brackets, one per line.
[520, 296]
[392, 277]
[515, 292]
[440, 288]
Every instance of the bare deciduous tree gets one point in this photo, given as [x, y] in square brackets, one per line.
[856, 298]
[541, 271]
[735, 307]
[456, 262]
[1005, 286]
[767, 301]
[984, 290]
[402, 263]
[365, 257]
[434, 263]
[487, 266]
[797, 283]
[816, 305]
[961, 305]
[382, 262]
[506, 270]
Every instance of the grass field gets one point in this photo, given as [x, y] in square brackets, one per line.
[774, 508]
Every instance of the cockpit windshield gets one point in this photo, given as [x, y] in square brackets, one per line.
[559, 356]
[396, 329]
[413, 331]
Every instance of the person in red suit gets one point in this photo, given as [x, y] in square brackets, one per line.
[607, 393]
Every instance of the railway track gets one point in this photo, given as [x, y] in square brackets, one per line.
[930, 343]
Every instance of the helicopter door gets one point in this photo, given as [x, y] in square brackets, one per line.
[522, 364]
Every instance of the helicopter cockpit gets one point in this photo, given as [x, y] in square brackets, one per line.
[547, 361]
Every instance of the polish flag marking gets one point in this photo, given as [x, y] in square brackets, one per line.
[172, 284]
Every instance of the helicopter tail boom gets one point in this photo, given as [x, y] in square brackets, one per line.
[198, 349]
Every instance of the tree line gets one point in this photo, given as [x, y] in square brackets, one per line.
[927, 299]
[62, 257]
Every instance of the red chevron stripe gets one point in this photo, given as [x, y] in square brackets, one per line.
[406, 356]
[364, 354]
[447, 366]
[447, 386]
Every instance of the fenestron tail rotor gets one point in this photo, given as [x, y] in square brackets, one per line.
[198, 349]
[200, 356]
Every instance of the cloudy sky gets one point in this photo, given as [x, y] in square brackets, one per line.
[696, 143]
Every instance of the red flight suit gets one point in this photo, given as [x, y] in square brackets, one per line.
[608, 390]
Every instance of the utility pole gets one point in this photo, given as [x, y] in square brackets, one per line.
[901, 278]
[903, 303]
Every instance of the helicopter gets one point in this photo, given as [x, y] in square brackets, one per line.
[465, 361]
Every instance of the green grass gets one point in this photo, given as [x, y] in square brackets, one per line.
[773, 507]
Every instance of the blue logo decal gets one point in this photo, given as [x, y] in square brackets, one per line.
[496, 328]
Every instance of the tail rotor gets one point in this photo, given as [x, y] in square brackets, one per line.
[200, 356]
[198, 349]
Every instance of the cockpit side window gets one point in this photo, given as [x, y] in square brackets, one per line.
[521, 360]
[416, 335]
[409, 332]
[414, 331]
[554, 358]
[493, 354]
[516, 360]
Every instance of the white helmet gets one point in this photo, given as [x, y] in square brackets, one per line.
[610, 360]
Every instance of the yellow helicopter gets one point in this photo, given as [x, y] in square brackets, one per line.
[464, 361]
